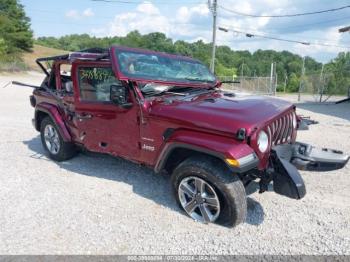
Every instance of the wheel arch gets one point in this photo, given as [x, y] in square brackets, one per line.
[178, 152]
[181, 144]
[44, 109]
[39, 116]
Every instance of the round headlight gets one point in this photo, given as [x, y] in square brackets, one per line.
[263, 141]
[294, 121]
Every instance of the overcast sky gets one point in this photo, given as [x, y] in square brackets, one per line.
[191, 20]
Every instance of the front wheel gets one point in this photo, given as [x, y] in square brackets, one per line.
[53, 142]
[208, 193]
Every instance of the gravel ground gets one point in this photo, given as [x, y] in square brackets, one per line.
[101, 205]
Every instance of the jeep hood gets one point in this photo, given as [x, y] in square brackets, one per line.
[219, 112]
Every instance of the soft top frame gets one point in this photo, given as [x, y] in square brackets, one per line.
[95, 53]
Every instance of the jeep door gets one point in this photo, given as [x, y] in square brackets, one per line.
[103, 126]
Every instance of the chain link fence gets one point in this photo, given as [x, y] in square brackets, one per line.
[312, 87]
[251, 85]
[321, 88]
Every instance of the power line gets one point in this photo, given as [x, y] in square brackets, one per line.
[308, 24]
[269, 30]
[285, 15]
[98, 24]
[249, 29]
[94, 16]
[140, 2]
[250, 35]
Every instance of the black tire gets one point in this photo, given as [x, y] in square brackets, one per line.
[66, 150]
[228, 187]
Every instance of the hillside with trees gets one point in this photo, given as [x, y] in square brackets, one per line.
[16, 39]
[228, 62]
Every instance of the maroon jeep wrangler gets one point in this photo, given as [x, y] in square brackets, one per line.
[168, 112]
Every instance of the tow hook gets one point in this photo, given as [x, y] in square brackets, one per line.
[304, 122]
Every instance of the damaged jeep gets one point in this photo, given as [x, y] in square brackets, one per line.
[168, 112]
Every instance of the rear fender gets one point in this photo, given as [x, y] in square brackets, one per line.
[214, 145]
[55, 115]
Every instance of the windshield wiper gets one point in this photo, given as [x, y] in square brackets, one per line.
[197, 79]
[157, 93]
[165, 92]
[175, 90]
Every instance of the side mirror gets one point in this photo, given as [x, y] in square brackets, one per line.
[119, 96]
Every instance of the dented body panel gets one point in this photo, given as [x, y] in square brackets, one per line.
[52, 111]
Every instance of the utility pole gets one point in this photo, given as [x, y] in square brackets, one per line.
[274, 78]
[301, 78]
[322, 84]
[213, 8]
[285, 81]
[241, 79]
[271, 76]
[242, 69]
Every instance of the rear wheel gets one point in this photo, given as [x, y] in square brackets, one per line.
[208, 193]
[53, 143]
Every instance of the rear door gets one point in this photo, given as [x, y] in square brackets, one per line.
[101, 125]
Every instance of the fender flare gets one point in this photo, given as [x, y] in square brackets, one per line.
[212, 145]
[163, 158]
[55, 115]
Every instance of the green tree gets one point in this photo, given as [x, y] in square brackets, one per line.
[228, 62]
[3, 47]
[338, 73]
[293, 83]
[15, 27]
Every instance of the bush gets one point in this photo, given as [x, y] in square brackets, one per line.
[14, 66]
[293, 83]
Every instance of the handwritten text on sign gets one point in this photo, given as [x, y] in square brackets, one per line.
[99, 74]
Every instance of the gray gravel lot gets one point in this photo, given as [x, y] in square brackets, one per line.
[101, 205]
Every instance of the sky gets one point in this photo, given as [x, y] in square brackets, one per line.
[191, 20]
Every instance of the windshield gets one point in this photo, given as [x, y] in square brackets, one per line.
[136, 64]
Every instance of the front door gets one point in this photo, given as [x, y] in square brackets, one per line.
[103, 126]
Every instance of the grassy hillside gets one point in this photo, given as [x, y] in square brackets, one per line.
[39, 51]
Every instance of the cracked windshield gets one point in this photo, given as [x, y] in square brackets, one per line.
[162, 68]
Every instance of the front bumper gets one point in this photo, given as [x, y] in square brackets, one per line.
[287, 158]
[307, 157]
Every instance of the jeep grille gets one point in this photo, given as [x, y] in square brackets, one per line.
[280, 131]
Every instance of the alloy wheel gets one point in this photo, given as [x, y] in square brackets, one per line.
[199, 199]
[52, 139]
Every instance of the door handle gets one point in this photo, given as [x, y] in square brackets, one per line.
[83, 116]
